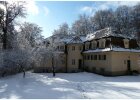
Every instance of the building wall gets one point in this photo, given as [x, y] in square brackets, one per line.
[115, 63]
[98, 66]
[74, 55]
[119, 62]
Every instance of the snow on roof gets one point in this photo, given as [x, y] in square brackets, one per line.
[105, 33]
[123, 49]
[113, 49]
[59, 52]
[63, 40]
[97, 50]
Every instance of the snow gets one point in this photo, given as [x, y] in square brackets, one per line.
[59, 52]
[123, 49]
[113, 49]
[97, 50]
[106, 32]
[69, 86]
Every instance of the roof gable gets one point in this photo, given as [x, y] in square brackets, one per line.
[76, 39]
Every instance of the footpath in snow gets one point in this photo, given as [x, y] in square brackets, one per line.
[69, 86]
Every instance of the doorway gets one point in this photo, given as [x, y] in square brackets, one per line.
[80, 64]
[128, 65]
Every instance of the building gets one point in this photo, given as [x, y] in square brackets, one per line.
[103, 52]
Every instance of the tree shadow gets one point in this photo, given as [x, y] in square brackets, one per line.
[65, 85]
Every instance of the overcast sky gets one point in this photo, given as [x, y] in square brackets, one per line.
[50, 14]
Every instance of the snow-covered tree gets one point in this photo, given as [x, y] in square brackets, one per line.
[62, 30]
[43, 55]
[82, 26]
[122, 21]
[10, 11]
[15, 60]
[135, 14]
[32, 32]
[102, 19]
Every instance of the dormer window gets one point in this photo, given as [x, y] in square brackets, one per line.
[126, 43]
[87, 45]
[102, 43]
[94, 45]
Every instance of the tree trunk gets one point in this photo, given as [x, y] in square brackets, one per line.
[4, 38]
[53, 69]
[66, 59]
[23, 73]
[3, 74]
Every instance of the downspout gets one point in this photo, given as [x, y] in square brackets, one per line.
[82, 58]
[83, 49]
[66, 52]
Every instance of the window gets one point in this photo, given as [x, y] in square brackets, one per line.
[87, 45]
[102, 43]
[95, 57]
[91, 57]
[99, 57]
[102, 57]
[88, 57]
[73, 61]
[80, 48]
[94, 45]
[85, 57]
[126, 43]
[73, 48]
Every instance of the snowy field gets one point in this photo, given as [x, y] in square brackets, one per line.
[72, 85]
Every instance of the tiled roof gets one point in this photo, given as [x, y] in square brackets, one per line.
[105, 33]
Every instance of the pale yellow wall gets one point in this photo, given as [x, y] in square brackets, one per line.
[73, 54]
[114, 62]
[118, 59]
[99, 63]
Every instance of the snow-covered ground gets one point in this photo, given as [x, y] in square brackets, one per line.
[69, 85]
